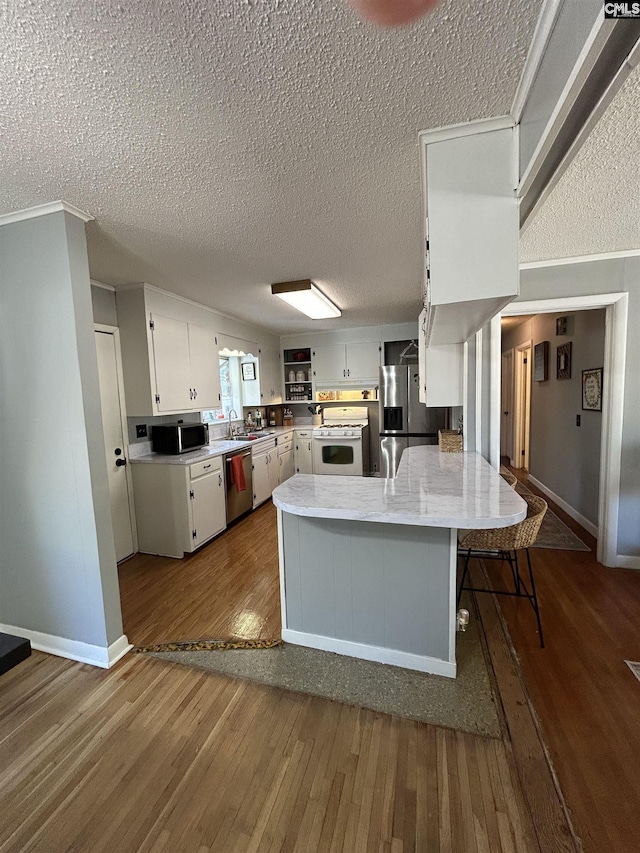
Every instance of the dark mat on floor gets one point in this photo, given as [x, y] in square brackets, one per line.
[466, 703]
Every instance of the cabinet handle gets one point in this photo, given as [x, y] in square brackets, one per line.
[219, 479]
[348, 373]
[344, 372]
[204, 467]
[190, 394]
[195, 393]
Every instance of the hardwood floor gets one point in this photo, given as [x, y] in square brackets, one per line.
[154, 756]
[587, 699]
[229, 588]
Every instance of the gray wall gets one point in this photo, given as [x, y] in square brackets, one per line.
[607, 276]
[57, 561]
[563, 456]
[104, 306]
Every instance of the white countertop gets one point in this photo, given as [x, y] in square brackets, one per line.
[431, 489]
[218, 447]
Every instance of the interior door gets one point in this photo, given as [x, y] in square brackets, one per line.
[506, 406]
[112, 403]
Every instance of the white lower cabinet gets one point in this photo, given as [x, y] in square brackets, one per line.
[265, 470]
[286, 462]
[178, 507]
[303, 452]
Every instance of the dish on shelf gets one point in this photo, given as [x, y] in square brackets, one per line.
[302, 355]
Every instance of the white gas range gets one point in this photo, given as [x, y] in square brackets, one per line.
[341, 443]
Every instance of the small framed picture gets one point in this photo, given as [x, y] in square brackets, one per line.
[563, 363]
[592, 390]
[248, 370]
[541, 361]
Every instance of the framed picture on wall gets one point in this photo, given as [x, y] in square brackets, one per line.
[592, 389]
[249, 370]
[541, 362]
[563, 361]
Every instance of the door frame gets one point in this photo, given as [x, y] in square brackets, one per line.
[522, 407]
[615, 341]
[510, 440]
[115, 331]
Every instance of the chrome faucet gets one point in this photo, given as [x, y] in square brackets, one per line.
[230, 425]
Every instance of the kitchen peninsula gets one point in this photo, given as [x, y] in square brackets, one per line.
[368, 565]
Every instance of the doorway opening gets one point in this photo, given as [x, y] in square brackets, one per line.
[615, 336]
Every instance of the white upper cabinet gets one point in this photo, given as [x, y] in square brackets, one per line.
[185, 360]
[353, 363]
[270, 376]
[170, 364]
[471, 229]
[205, 372]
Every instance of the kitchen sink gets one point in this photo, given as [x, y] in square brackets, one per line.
[249, 436]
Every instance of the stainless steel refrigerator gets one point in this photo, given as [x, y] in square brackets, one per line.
[404, 420]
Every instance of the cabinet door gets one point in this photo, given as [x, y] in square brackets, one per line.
[443, 375]
[261, 484]
[172, 364]
[303, 455]
[207, 508]
[329, 363]
[287, 465]
[205, 371]
[270, 378]
[274, 470]
[363, 361]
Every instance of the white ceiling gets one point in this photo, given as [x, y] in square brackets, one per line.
[223, 145]
[226, 144]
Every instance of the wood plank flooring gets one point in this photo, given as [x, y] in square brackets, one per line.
[229, 588]
[587, 700]
[153, 756]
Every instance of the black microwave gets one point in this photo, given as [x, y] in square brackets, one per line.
[178, 438]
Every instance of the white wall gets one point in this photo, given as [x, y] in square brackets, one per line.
[58, 576]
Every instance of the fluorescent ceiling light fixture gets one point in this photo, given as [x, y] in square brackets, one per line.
[306, 297]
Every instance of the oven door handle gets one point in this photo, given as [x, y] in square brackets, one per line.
[337, 439]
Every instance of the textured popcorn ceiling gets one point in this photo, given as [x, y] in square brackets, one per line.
[226, 144]
[595, 207]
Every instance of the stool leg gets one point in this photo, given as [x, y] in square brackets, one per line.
[512, 559]
[534, 598]
[464, 574]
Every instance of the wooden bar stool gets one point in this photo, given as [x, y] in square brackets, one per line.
[503, 543]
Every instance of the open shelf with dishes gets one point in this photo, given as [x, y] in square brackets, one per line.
[298, 383]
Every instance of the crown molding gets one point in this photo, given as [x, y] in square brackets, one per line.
[580, 259]
[45, 210]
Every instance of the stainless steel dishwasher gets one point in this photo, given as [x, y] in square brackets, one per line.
[238, 502]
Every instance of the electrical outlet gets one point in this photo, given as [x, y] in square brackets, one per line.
[141, 430]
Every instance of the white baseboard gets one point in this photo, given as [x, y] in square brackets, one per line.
[625, 561]
[435, 666]
[101, 656]
[589, 526]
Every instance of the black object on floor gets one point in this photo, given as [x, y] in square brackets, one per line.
[13, 650]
